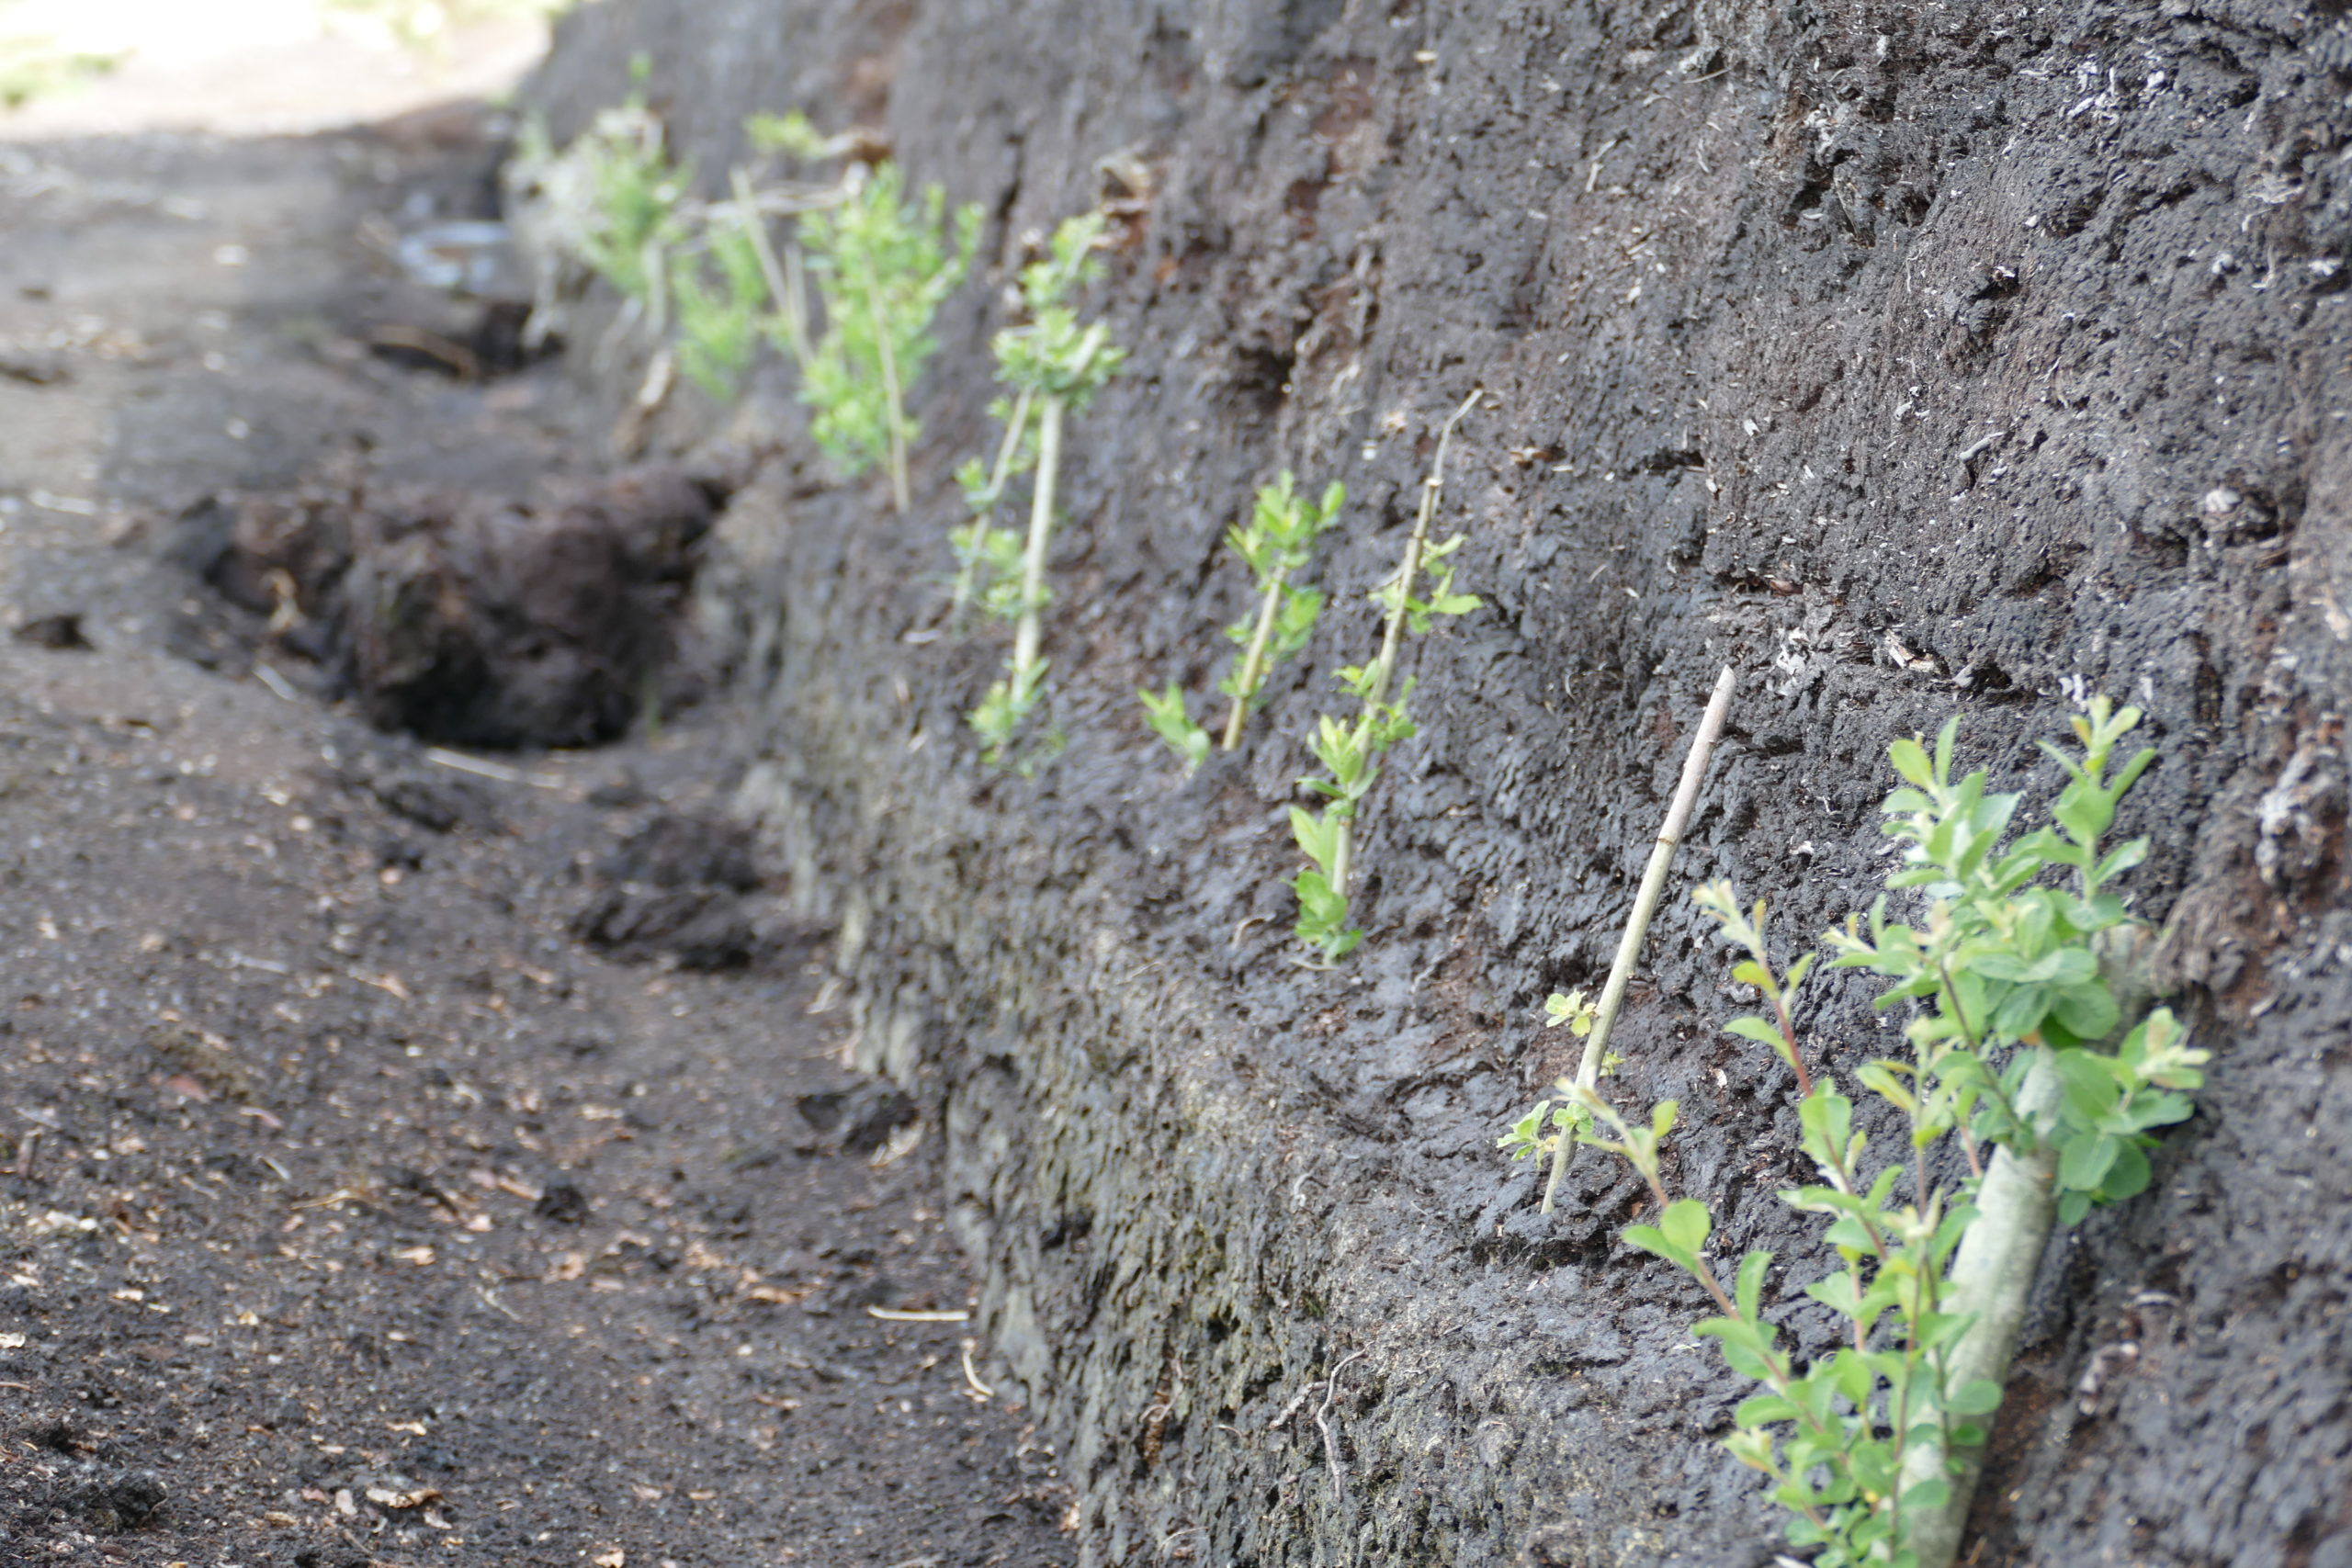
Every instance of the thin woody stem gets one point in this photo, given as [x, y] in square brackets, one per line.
[785, 288]
[1788, 1034]
[1670, 838]
[1392, 637]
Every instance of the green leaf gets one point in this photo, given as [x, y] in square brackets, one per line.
[2120, 860]
[1980, 1397]
[1910, 759]
[1838, 1293]
[1935, 1330]
[1167, 715]
[1318, 837]
[1748, 1289]
[1742, 1358]
[1881, 1078]
[2128, 1177]
[1930, 1493]
[1762, 1409]
[1686, 1221]
[2088, 1011]
[1652, 1240]
[1849, 1374]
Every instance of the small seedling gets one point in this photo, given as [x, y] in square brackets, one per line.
[1874, 1449]
[884, 263]
[1276, 543]
[636, 194]
[1055, 366]
[1541, 1130]
[1350, 752]
[1165, 713]
[987, 556]
[719, 328]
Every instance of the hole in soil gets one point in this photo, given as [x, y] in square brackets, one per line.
[547, 620]
[492, 346]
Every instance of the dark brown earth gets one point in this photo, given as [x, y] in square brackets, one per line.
[1914, 359]
[401, 1165]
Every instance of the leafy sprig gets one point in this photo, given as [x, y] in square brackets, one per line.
[884, 261]
[1055, 363]
[1871, 1449]
[1276, 544]
[721, 327]
[1350, 752]
[1167, 715]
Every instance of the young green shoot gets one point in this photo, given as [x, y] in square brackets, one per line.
[988, 557]
[1350, 752]
[2016, 997]
[884, 261]
[1165, 713]
[1057, 364]
[1275, 545]
[719, 329]
[635, 196]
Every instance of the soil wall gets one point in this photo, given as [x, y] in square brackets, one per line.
[1912, 358]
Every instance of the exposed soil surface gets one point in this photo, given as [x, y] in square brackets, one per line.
[401, 1164]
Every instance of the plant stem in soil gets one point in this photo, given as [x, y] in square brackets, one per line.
[895, 410]
[1992, 1272]
[1392, 637]
[984, 514]
[1992, 1278]
[1637, 925]
[1027, 633]
[786, 284]
[1253, 661]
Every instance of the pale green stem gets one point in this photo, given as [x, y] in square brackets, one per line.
[897, 407]
[785, 287]
[1637, 925]
[1027, 633]
[984, 514]
[1392, 637]
[1253, 661]
[1991, 1274]
[655, 260]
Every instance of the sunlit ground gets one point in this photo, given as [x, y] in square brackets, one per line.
[247, 67]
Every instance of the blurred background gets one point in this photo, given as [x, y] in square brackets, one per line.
[243, 67]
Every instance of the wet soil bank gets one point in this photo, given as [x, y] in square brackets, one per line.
[405, 1157]
[1913, 360]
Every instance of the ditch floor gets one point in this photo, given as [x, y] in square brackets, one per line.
[352, 1209]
